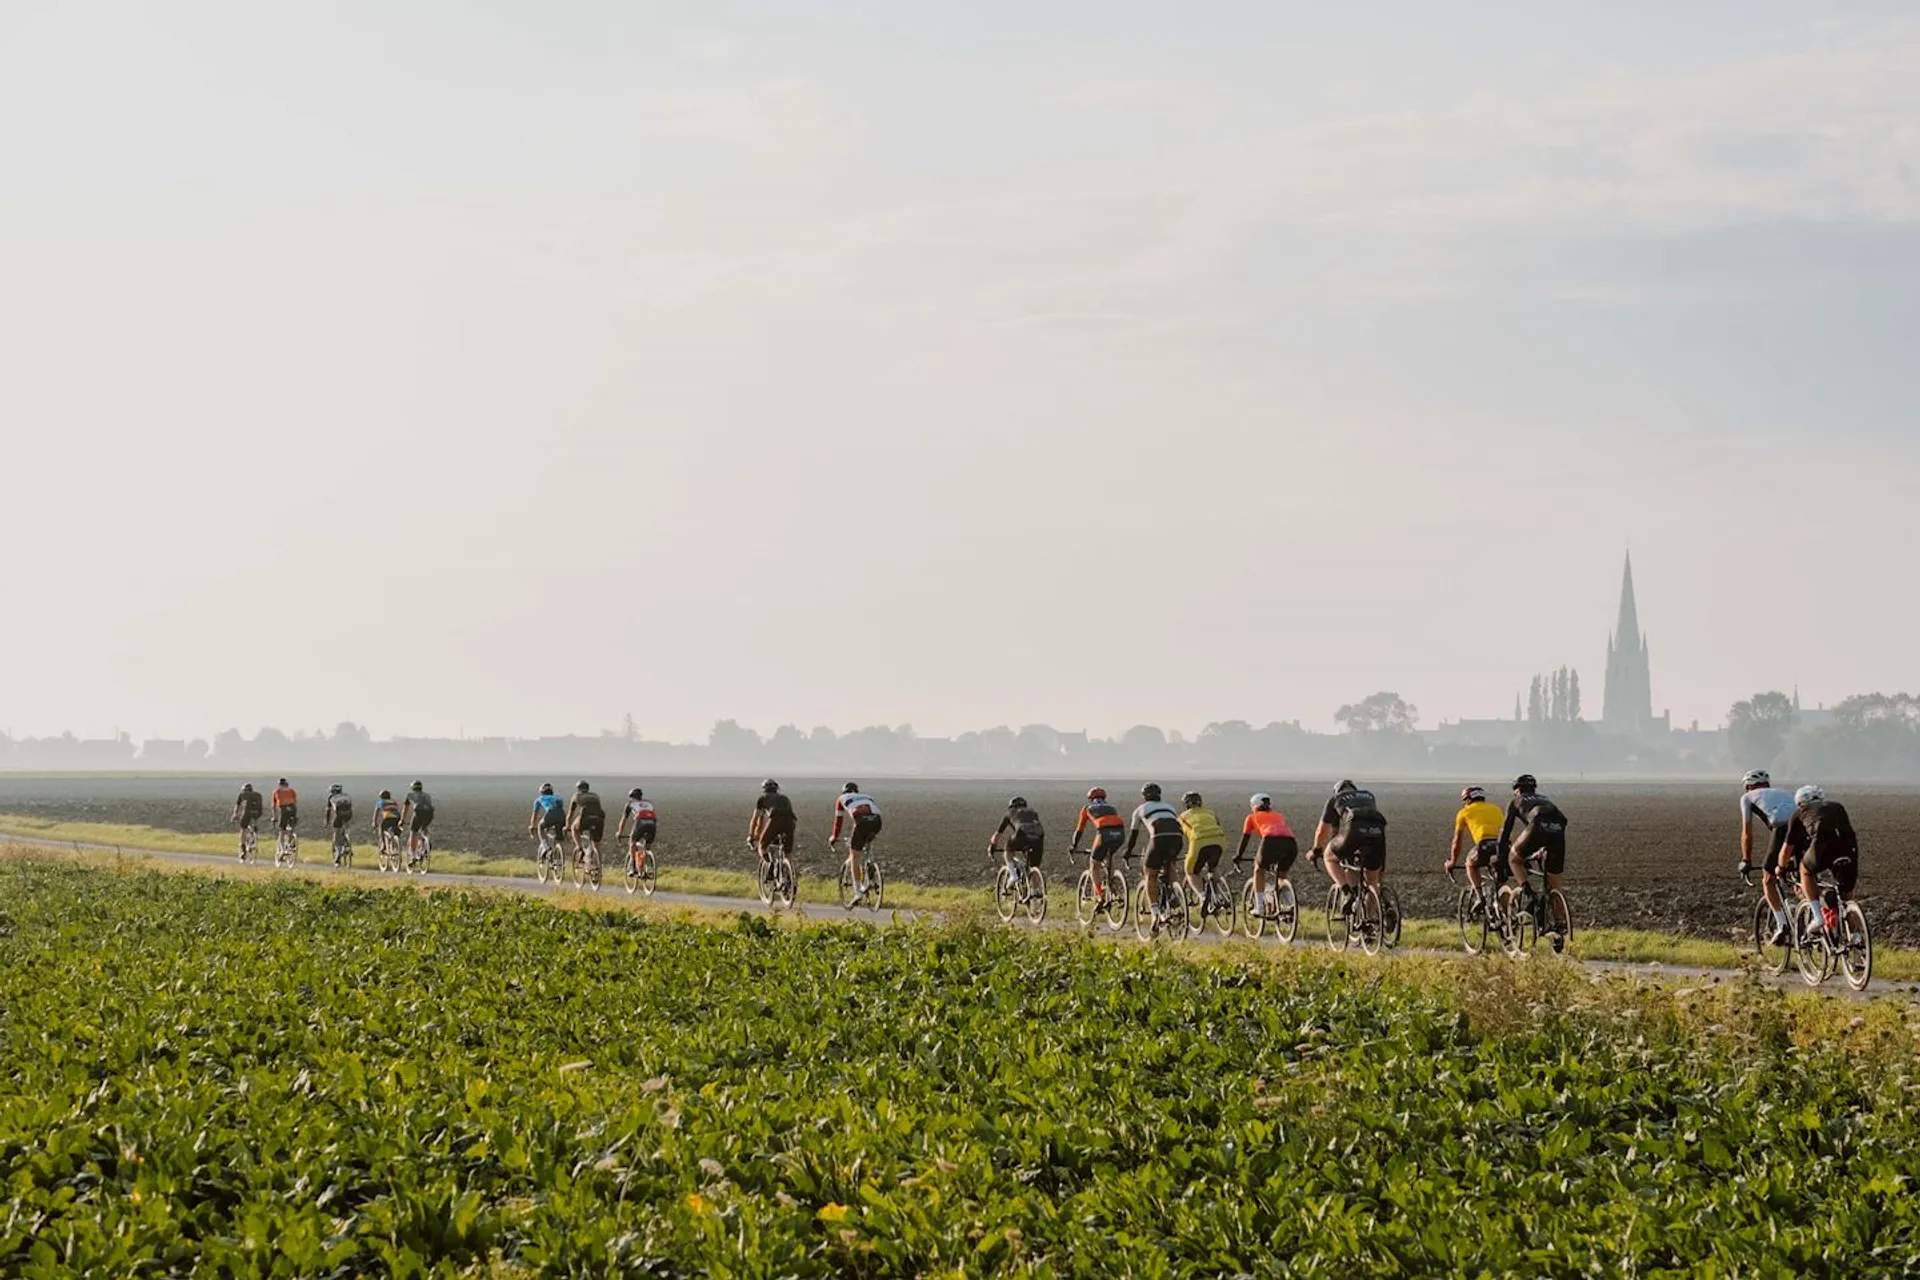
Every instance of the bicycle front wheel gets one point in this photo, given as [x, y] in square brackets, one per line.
[1810, 952]
[1470, 914]
[1084, 899]
[846, 886]
[1006, 895]
[1774, 958]
[1036, 895]
[1116, 904]
[1857, 958]
[1338, 936]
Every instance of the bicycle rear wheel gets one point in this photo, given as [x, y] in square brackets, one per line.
[1774, 958]
[1225, 906]
[1180, 922]
[1036, 895]
[1253, 921]
[1116, 903]
[1470, 914]
[1517, 932]
[1338, 935]
[1389, 916]
[876, 885]
[1142, 912]
[1559, 923]
[1006, 894]
[1857, 959]
[846, 886]
[1810, 952]
[1084, 899]
[1286, 912]
[786, 882]
[1373, 929]
[417, 858]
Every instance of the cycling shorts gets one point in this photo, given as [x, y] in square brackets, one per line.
[554, 819]
[1277, 854]
[1201, 861]
[289, 817]
[1368, 852]
[1845, 869]
[592, 825]
[644, 832]
[1032, 848]
[422, 819]
[866, 829]
[778, 834]
[1107, 841]
[1776, 841]
[389, 822]
[1486, 856]
[249, 817]
[341, 820]
[1163, 849]
[1551, 843]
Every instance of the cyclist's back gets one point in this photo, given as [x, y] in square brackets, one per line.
[1821, 834]
[1100, 817]
[1359, 829]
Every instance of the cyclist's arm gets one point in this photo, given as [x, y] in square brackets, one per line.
[1506, 828]
[839, 813]
[1079, 825]
[756, 822]
[1246, 834]
[1746, 834]
[1133, 833]
[1459, 839]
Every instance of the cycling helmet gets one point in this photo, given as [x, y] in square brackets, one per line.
[1259, 800]
[283, 782]
[850, 788]
[1526, 784]
[582, 785]
[1473, 795]
[386, 795]
[1150, 792]
[1756, 778]
[1018, 802]
[1345, 786]
[1191, 800]
[546, 788]
[418, 785]
[1097, 793]
[335, 789]
[246, 786]
[635, 794]
[1810, 794]
[769, 786]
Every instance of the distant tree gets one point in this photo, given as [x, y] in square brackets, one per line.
[730, 738]
[198, 749]
[271, 739]
[629, 728]
[788, 740]
[347, 733]
[1378, 713]
[1573, 695]
[1757, 728]
[228, 744]
[1536, 703]
[822, 736]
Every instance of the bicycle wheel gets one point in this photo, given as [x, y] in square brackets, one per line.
[1006, 894]
[1810, 952]
[1389, 916]
[1253, 920]
[286, 849]
[1372, 921]
[1116, 903]
[1084, 900]
[577, 866]
[649, 872]
[247, 846]
[1338, 935]
[846, 886]
[418, 862]
[1226, 906]
[1036, 895]
[1180, 922]
[786, 881]
[1470, 914]
[1559, 923]
[768, 877]
[592, 861]
[1142, 912]
[1517, 932]
[876, 885]
[1857, 958]
[1774, 958]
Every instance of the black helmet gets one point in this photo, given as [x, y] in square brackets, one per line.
[1346, 785]
[283, 782]
[582, 785]
[1526, 784]
[386, 795]
[1018, 802]
[246, 786]
[769, 786]
[635, 794]
[849, 789]
[418, 785]
[1191, 800]
[1150, 792]
[546, 788]
[335, 789]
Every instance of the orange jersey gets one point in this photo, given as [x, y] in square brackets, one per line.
[1268, 824]
[284, 798]
[1103, 818]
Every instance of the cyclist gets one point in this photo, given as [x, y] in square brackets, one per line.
[1206, 841]
[854, 807]
[1165, 838]
[1026, 837]
[1109, 834]
[549, 816]
[339, 814]
[386, 817]
[286, 807]
[1352, 827]
[247, 807]
[1277, 850]
[1821, 836]
[773, 821]
[1542, 828]
[1774, 807]
[419, 814]
[1476, 833]
[645, 821]
[585, 816]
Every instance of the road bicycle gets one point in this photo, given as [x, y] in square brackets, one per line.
[286, 849]
[419, 848]
[1281, 911]
[642, 871]
[1525, 916]
[876, 883]
[549, 856]
[388, 853]
[1214, 904]
[1088, 905]
[249, 842]
[1176, 919]
[778, 882]
[1823, 936]
[1475, 912]
[1369, 914]
[586, 864]
[1017, 886]
[342, 849]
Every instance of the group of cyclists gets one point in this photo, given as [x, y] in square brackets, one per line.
[1808, 833]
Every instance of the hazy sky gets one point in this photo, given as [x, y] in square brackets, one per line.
[509, 366]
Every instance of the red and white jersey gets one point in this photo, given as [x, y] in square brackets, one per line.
[855, 805]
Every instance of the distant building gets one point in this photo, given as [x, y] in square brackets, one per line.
[1627, 705]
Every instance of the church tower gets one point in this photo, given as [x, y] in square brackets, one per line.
[1627, 708]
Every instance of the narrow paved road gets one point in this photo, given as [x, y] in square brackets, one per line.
[615, 892]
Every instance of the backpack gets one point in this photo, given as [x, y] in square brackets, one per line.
[1027, 824]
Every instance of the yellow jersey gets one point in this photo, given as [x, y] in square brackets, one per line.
[1481, 821]
[1203, 830]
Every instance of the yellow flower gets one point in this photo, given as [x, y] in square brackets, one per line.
[834, 1213]
[696, 1202]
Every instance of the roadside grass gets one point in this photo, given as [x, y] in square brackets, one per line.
[1625, 946]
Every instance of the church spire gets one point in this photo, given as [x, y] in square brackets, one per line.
[1627, 705]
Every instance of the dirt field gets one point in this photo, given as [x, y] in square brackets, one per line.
[1653, 855]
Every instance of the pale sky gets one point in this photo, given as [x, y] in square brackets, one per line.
[507, 366]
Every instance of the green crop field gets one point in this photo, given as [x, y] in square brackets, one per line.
[245, 1076]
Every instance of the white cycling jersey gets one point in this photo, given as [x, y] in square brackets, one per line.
[854, 804]
[1157, 818]
[1774, 805]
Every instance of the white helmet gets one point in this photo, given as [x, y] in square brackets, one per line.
[1809, 794]
[1259, 800]
[1757, 778]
